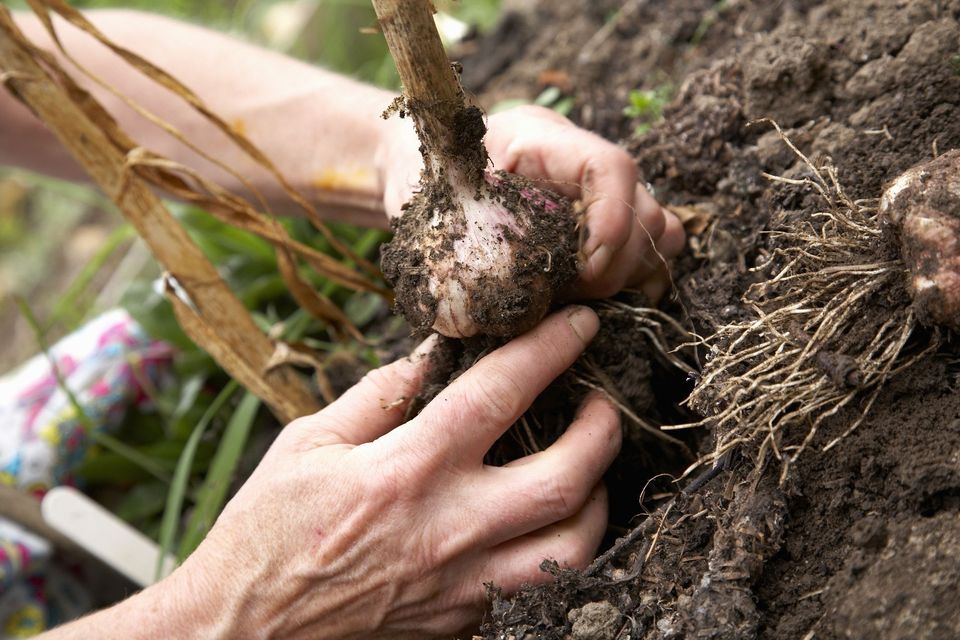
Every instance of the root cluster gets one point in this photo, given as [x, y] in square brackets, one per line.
[832, 318]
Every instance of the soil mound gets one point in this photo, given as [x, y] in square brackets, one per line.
[862, 540]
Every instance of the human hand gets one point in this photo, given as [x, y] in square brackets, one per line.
[353, 526]
[629, 237]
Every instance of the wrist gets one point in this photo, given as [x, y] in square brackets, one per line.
[209, 601]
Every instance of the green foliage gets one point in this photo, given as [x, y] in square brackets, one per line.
[70, 309]
[551, 97]
[213, 492]
[481, 14]
[646, 106]
[175, 498]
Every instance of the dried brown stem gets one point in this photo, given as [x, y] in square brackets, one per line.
[449, 131]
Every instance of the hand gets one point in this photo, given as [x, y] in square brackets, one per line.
[629, 237]
[354, 526]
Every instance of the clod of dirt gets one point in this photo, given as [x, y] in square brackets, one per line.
[595, 621]
[883, 601]
[924, 204]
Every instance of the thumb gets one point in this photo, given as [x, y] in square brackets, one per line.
[373, 406]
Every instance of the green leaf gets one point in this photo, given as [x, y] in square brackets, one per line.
[141, 503]
[186, 403]
[181, 476]
[564, 106]
[155, 314]
[132, 454]
[362, 307]
[41, 339]
[112, 468]
[69, 309]
[548, 96]
[212, 494]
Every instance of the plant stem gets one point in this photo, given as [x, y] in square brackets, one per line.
[432, 92]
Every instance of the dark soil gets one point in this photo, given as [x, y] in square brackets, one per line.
[862, 540]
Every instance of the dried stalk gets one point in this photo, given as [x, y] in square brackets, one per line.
[167, 82]
[431, 90]
[213, 316]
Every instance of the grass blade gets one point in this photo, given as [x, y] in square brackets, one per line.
[70, 308]
[181, 476]
[213, 492]
[146, 463]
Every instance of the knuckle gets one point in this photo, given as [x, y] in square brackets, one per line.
[395, 477]
[494, 396]
[389, 381]
[615, 160]
[379, 379]
[559, 496]
[651, 219]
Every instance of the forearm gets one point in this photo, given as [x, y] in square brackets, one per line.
[323, 131]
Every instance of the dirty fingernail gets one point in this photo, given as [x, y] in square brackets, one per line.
[583, 321]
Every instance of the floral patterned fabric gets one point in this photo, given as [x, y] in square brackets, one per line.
[106, 365]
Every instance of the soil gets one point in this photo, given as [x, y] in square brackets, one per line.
[861, 540]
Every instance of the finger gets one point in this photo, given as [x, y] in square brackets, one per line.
[649, 215]
[467, 417]
[605, 273]
[571, 161]
[654, 278]
[572, 543]
[552, 485]
[655, 285]
[372, 407]
[674, 237]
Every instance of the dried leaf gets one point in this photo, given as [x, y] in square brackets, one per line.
[316, 305]
[694, 218]
[267, 381]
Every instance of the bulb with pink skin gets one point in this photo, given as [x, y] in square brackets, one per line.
[487, 261]
[923, 204]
